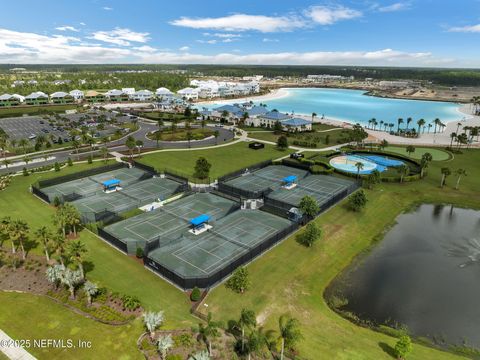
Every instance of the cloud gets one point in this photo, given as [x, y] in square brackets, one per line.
[328, 15]
[107, 8]
[223, 35]
[120, 36]
[184, 48]
[243, 22]
[466, 29]
[270, 40]
[394, 7]
[67, 28]
[83, 24]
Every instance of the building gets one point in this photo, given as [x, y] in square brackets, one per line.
[61, 97]
[296, 125]
[94, 97]
[116, 96]
[188, 93]
[78, 95]
[141, 95]
[17, 83]
[7, 100]
[269, 119]
[128, 91]
[394, 84]
[36, 98]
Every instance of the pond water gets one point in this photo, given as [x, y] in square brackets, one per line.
[425, 274]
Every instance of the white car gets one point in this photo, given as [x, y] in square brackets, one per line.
[33, 136]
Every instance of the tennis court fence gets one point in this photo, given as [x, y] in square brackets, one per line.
[242, 193]
[146, 168]
[237, 173]
[296, 164]
[209, 281]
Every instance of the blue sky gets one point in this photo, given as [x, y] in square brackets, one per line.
[440, 33]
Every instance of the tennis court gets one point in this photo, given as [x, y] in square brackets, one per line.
[263, 179]
[134, 195]
[92, 185]
[321, 187]
[167, 223]
[232, 237]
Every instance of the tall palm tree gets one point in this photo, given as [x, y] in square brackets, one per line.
[76, 251]
[202, 355]
[209, 331]
[104, 153]
[59, 247]
[420, 124]
[45, 236]
[453, 136]
[289, 333]
[158, 136]
[399, 121]
[247, 320]
[436, 122]
[410, 149]
[216, 134]
[90, 290]
[19, 234]
[164, 344]
[359, 165]
[152, 320]
[23, 143]
[409, 120]
[458, 126]
[189, 136]
[445, 171]
[459, 173]
[403, 170]
[5, 223]
[314, 114]
[71, 279]
[424, 162]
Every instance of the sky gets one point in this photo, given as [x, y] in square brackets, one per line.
[430, 33]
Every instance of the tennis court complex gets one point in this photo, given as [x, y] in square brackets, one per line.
[321, 187]
[269, 177]
[131, 196]
[92, 185]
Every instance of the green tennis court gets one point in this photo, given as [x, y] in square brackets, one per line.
[265, 178]
[321, 187]
[92, 185]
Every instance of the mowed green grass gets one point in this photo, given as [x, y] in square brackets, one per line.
[437, 154]
[335, 136]
[30, 317]
[224, 159]
[33, 110]
[292, 279]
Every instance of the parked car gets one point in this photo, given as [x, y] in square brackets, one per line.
[297, 156]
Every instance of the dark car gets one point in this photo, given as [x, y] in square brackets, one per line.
[297, 156]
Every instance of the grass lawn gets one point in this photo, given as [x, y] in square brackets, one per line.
[224, 160]
[106, 266]
[181, 134]
[318, 138]
[34, 110]
[437, 154]
[32, 317]
[292, 279]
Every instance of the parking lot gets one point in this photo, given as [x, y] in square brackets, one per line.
[29, 126]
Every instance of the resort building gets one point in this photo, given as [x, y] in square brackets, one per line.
[188, 93]
[78, 95]
[128, 91]
[163, 93]
[141, 95]
[8, 100]
[94, 97]
[116, 96]
[61, 97]
[36, 98]
[296, 125]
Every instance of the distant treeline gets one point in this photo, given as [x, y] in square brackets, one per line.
[448, 77]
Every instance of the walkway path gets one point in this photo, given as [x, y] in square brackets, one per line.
[12, 352]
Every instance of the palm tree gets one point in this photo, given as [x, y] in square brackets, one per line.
[130, 143]
[409, 120]
[359, 165]
[399, 121]
[158, 136]
[403, 170]
[203, 355]
[164, 344]
[90, 290]
[437, 122]
[459, 173]
[420, 124]
[104, 153]
[453, 136]
[19, 234]
[58, 244]
[54, 273]
[247, 320]
[27, 159]
[445, 173]
[5, 223]
[458, 126]
[429, 127]
[23, 143]
[426, 159]
[410, 149]
[45, 236]
[139, 145]
[189, 137]
[289, 333]
[72, 218]
[76, 251]
[208, 331]
[152, 320]
[216, 134]
[71, 279]
[314, 114]
[258, 339]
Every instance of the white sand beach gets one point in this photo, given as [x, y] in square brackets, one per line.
[273, 94]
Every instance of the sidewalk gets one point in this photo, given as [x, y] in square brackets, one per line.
[12, 352]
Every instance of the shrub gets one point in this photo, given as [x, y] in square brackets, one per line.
[56, 201]
[130, 302]
[174, 357]
[139, 252]
[239, 281]
[69, 162]
[25, 171]
[196, 294]
[90, 159]
[57, 166]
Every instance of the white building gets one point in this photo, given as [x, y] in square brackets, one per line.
[128, 91]
[163, 93]
[188, 93]
[77, 95]
[141, 95]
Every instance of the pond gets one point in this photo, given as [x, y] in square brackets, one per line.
[425, 275]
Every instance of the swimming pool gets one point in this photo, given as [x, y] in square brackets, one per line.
[348, 163]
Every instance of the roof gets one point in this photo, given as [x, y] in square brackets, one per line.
[92, 93]
[296, 122]
[232, 109]
[6, 97]
[200, 219]
[143, 92]
[163, 91]
[290, 179]
[76, 91]
[275, 115]
[257, 110]
[111, 182]
[36, 95]
[114, 92]
[59, 94]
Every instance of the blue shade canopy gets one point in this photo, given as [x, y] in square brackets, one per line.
[110, 183]
[199, 220]
[289, 179]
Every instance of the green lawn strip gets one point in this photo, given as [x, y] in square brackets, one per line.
[29, 317]
[34, 110]
[224, 160]
[181, 134]
[437, 154]
[335, 137]
[292, 279]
